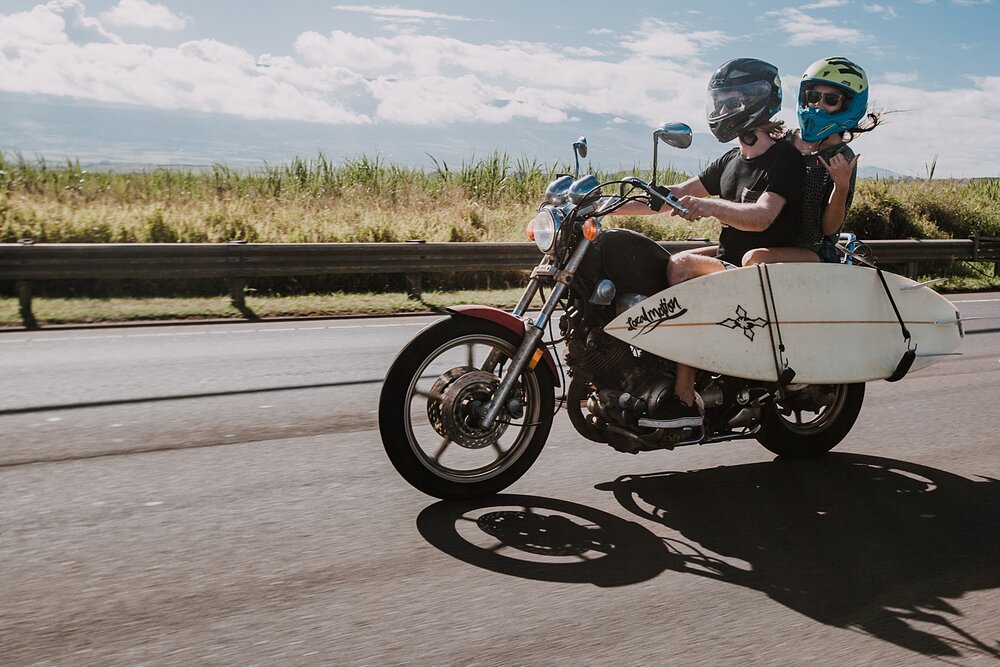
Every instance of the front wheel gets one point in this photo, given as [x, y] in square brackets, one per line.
[431, 402]
[810, 420]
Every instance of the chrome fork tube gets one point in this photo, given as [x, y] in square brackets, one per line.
[532, 335]
[529, 294]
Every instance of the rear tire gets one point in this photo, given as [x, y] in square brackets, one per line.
[811, 421]
[427, 411]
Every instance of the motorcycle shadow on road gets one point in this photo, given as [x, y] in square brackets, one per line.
[860, 542]
[852, 541]
[545, 539]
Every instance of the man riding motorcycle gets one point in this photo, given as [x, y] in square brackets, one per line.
[759, 184]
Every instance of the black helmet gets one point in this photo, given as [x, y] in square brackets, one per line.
[742, 94]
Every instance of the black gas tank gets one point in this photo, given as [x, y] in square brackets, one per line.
[635, 263]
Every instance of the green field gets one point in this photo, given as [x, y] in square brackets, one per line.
[368, 200]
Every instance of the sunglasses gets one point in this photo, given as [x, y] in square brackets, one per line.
[829, 99]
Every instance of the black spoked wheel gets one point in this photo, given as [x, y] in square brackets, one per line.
[811, 419]
[431, 403]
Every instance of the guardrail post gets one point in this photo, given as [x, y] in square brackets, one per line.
[414, 281]
[911, 270]
[238, 297]
[25, 290]
[414, 285]
[237, 290]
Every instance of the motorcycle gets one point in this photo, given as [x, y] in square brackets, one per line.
[468, 404]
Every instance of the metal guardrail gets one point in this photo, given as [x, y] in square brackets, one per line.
[235, 262]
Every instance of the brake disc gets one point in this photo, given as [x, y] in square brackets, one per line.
[461, 410]
[440, 387]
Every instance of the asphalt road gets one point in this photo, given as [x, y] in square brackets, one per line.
[218, 495]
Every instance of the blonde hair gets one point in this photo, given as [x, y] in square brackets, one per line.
[774, 128]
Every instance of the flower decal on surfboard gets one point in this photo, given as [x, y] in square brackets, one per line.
[743, 322]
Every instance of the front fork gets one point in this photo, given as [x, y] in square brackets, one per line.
[534, 330]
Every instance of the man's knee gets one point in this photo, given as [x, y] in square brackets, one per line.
[679, 269]
[686, 266]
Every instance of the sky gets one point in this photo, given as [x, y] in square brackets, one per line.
[251, 81]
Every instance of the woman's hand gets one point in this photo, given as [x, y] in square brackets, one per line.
[840, 169]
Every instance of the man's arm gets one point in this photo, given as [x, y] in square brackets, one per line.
[755, 217]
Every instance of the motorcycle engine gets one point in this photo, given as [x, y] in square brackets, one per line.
[624, 380]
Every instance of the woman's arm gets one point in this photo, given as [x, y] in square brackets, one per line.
[841, 170]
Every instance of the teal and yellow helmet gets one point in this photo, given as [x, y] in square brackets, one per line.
[818, 124]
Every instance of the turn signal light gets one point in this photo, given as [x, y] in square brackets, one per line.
[531, 230]
[591, 229]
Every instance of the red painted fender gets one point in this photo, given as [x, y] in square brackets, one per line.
[504, 319]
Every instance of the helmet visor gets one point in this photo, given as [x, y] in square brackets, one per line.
[724, 103]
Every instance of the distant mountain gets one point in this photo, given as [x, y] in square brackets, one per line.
[878, 172]
[124, 138]
[114, 137]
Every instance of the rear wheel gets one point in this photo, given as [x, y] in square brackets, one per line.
[811, 419]
[431, 403]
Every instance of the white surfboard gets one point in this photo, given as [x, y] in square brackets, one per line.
[829, 323]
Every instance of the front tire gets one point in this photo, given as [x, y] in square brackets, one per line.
[428, 410]
[811, 420]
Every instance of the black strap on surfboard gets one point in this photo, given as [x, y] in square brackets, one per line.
[784, 373]
[903, 367]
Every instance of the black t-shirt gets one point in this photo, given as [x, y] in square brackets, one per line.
[780, 170]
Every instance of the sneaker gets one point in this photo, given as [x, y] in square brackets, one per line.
[673, 413]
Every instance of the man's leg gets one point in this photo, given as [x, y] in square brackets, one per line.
[681, 268]
[775, 255]
[680, 411]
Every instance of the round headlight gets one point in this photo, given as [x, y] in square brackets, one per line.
[546, 225]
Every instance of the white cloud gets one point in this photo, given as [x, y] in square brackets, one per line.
[142, 14]
[54, 22]
[899, 77]
[885, 11]
[971, 3]
[658, 39]
[342, 78]
[400, 14]
[826, 4]
[912, 136]
[806, 30]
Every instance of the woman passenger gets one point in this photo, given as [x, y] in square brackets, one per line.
[832, 102]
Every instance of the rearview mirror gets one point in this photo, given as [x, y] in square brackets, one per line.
[677, 135]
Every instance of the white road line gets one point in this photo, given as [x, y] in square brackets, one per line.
[172, 334]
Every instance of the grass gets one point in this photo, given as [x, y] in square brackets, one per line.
[53, 311]
[366, 199]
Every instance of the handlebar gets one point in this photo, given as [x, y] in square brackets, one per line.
[656, 193]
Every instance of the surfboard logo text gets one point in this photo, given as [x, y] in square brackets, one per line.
[654, 317]
[743, 322]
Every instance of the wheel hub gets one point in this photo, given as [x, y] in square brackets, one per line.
[461, 409]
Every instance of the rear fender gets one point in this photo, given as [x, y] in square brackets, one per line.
[504, 319]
